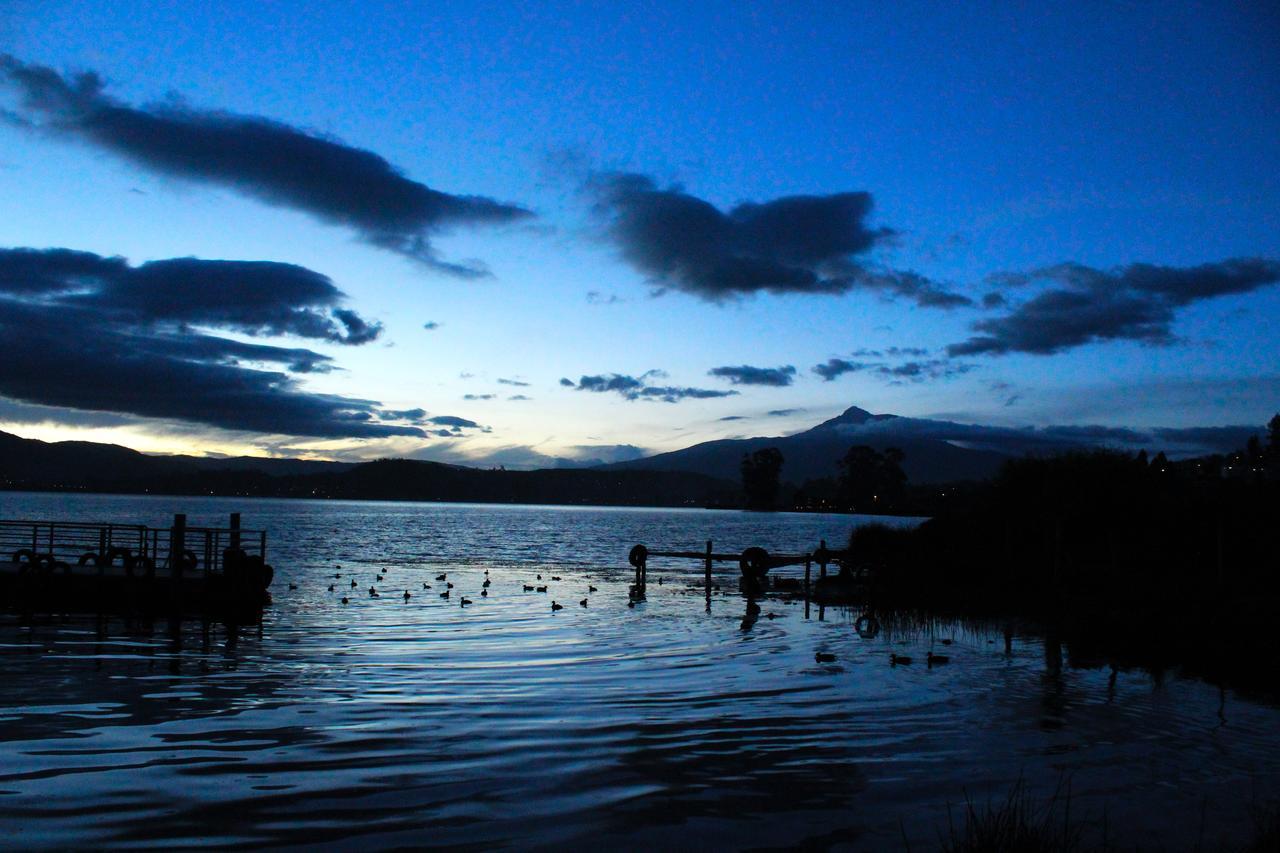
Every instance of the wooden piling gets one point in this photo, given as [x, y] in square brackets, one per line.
[234, 534]
[707, 575]
[177, 544]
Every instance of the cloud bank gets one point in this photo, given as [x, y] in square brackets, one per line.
[633, 388]
[1082, 305]
[267, 160]
[793, 244]
[747, 375]
[92, 333]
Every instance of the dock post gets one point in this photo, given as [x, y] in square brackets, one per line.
[235, 531]
[707, 575]
[822, 559]
[177, 545]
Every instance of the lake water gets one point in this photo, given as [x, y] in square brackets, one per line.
[384, 722]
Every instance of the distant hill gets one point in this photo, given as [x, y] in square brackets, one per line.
[814, 453]
[86, 466]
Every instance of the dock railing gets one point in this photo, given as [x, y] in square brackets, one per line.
[77, 546]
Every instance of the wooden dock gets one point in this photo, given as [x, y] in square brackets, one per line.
[73, 565]
[755, 564]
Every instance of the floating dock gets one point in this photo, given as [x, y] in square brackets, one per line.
[73, 566]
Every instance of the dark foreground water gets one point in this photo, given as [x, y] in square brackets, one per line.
[386, 723]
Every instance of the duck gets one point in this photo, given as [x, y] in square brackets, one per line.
[448, 586]
[293, 586]
[346, 600]
[539, 577]
[528, 588]
[426, 585]
[337, 575]
[373, 592]
[444, 594]
[330, 587]
[555, 606]
[542, 589]
[824, 657]
[484, 593]
[659, 581]
[485, 585]
[555, 577]
[442, 576]
[583, 602]
[591, 588]
[486, 571]
[947, 642]
[932, 659]
[895, 659]
[353, 583]
[465, 601]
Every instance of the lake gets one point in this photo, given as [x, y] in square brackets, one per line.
[386, 722]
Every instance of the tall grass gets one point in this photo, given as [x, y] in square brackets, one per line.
[1019, 823]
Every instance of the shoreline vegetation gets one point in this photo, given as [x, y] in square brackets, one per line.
[1140, 562]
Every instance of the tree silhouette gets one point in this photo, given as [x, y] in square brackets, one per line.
[871, 481]
[761, 473]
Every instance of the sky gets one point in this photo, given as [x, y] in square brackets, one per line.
[522, 233]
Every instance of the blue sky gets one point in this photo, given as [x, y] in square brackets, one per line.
[990, 139]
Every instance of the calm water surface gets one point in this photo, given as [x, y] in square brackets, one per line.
[385, 722]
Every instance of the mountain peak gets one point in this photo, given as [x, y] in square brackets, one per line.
[851, 415]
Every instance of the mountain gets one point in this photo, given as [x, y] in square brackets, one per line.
[931, 457]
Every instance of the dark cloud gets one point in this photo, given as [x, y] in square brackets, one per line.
[453, 421]
[794, 244]
[782, 413]
[431, 325]
[251, 297]
[90, 333]
[746, 375]
[566, 382]
[515, 382]
[414, 415]
[734, 418]
[595, 297]
[1084, 305]
[907, 371]
[632, 388]
[478, 396]
[268, 160]
[518, 398]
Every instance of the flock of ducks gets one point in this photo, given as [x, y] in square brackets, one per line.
[443, 577]
[895, 659]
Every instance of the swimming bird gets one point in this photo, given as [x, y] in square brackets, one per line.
[407, 596]
[528, 588]
[353, 583]
[337, 575]
[659, 581]
[293, 586]
[486, 571]
[583, 602]
[899, 659]
[444, 594]
[373, 591]
[448, 586]
[590, 588]
[465, 601]
[379, 578]
[346, 600]
[485, 585]
[426, 585]
[338, 566]
[824, 657]
[484, 593]
[946, 642]
[555, 577]
[442, 576]
[539, 577]
[330, 587]
[555, 606]
[932, 659]
[542, 589]
[631, 603]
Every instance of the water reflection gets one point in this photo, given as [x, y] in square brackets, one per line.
[386, 722]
